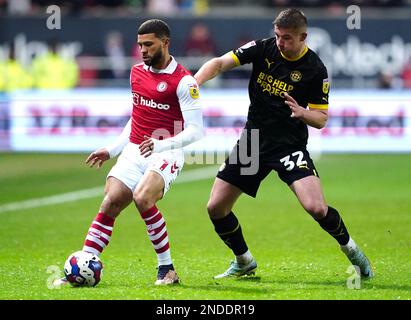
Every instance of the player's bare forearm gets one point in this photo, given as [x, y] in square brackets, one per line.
[315, 118]
[312, 117]
[214, 67]
[208, 71]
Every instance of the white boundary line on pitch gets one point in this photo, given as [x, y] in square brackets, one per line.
[189, 176]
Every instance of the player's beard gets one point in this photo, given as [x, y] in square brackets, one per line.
[155, 59]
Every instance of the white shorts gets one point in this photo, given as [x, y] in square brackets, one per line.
[131, 166]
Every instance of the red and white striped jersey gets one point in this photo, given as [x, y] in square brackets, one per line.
[159, 97]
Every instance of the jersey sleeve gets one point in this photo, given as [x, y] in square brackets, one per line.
[319, 91]
[116, 146]
[188, 93]
[246, 53]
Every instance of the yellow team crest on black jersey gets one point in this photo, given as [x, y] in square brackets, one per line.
[295, 76]
[326, 86]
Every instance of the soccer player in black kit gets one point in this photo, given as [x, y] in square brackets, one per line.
[288, 91]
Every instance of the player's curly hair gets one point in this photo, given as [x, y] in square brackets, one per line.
[156, 26]
[291, 19]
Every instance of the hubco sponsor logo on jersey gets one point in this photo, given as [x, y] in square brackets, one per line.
[139, 100]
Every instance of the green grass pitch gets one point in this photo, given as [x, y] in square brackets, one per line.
[296, 258]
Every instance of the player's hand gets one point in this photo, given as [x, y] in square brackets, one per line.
[296, 110]
[147, 146]
[98, 157]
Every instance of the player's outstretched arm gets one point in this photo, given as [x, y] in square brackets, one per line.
[214, 67]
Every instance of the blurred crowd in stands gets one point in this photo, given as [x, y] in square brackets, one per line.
[96, 7]
[27, 7]
[344, 3]
[53, 70]
[49, 70]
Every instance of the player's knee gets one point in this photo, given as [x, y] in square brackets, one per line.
[143, 202]
[216, 210]
[317, 210]
[111, 206]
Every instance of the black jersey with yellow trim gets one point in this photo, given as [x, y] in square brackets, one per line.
[304, 78]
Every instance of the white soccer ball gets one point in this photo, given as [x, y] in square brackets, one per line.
[83, 269]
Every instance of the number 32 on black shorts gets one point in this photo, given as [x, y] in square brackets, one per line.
[293, 164]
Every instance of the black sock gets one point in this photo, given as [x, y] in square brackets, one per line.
[229, 230]
[334, 225]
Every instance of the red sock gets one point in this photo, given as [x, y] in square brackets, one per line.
[157, 232]
[99, 234]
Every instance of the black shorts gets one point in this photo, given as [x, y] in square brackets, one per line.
[291, 164]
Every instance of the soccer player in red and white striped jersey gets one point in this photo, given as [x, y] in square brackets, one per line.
[166, 116]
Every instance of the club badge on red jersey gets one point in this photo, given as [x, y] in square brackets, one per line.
[194, 92]
[162, 86]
